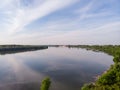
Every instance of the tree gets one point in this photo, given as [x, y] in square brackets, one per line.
[116, 58]
[45, 84]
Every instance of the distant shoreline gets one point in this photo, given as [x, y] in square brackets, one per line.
[9, 49]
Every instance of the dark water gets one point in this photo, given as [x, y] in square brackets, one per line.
[68, 68]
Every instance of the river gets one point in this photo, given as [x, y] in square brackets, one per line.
[68, 68]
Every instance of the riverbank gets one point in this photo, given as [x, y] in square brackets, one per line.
[9, 49]
[110, 80]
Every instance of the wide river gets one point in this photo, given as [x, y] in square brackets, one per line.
[68, 68]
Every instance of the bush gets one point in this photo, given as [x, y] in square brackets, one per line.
[88, 86]
[108, 78]
[45, 84]
[116, 58]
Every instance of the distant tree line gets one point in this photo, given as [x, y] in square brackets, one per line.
[9, 49]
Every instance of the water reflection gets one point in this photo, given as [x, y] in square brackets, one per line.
[17, 73]
[68, 68]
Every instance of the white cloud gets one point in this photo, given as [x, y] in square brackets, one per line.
[103, 34]
[86, 8]
[20, 16]
[75, 30]
[93, 10]
[83, 11]
[4, 3]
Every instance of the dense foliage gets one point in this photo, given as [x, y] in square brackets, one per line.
[45, 84]
[110, 80]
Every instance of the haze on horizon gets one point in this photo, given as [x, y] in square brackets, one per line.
[59, 21]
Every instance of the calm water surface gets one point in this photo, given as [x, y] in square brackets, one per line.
[68, 68]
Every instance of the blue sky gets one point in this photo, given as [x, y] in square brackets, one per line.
[59, 21]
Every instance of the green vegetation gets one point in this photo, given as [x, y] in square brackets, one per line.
[110, 80]
[45, 84]
[9, 49]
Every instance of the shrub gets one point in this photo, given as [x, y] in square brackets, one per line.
[116, 58]
[45, 84]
